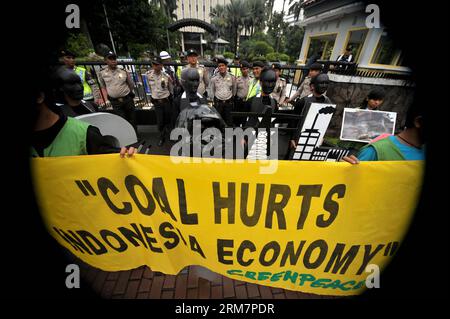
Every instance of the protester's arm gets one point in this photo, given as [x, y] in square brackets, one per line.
[366, 154]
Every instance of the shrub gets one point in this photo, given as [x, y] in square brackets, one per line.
[228, 55]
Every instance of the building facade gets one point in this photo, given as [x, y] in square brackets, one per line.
[334, 25]
[193, 37]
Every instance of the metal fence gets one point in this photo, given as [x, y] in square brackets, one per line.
[291, 73]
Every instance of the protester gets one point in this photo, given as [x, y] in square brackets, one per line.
[406, 145]
[319, 86]
[55, 134]
[374, 99]
[69, 85]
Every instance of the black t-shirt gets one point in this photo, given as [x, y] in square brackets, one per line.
[96, 143]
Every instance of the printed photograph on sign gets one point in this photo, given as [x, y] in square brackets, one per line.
[365, 125]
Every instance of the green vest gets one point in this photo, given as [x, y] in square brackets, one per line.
[70, 141]
[87, 91]
[386, 150]
[253, 89]
[236, 72]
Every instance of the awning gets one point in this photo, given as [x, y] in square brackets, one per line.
[220, 41]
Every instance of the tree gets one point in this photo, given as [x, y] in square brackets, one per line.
[295, 8]
[255, 18]
[168, 7]
[133, 23]
[294, 39]
[277, 30]
[78, 44]
[235, 12]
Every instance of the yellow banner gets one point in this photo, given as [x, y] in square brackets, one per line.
[310, 226]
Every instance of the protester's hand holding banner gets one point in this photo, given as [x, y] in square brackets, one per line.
[310, 226]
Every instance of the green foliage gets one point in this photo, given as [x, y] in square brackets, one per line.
[228, 55]
[238, 15]
[138, 49]
[272, 56]
[255, 49]
[294, 39]
[133, 23]
[262, 48]
[79, 44]
[277, 57]
[283, 57]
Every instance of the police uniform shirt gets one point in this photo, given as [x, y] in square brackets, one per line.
[161, 85]
[117, 82]
[223, 87]
[242, 86]
[303, 90]
[204, 77]
[279, 92]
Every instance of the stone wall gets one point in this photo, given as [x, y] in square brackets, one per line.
[343, 94]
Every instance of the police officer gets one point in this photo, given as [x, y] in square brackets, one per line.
[192, 58]
[279, 93]
[242, 83]
[223, 88]
[119, 87]
[254, 87]
[161, 87]
[68, 58]
[236, 71]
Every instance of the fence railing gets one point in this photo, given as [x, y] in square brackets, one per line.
[293, 74]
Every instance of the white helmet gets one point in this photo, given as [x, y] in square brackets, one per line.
[164, 55]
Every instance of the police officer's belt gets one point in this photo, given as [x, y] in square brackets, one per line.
[160, 101]
[222, 101]
[119, 99]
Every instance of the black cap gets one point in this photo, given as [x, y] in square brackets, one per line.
[316, 66]
[110, 54]
[245, 64]
[276, 66]
[376, 94]
[66, 52]
[258, 63]
[222, 60]
[237, 57]
[191, 52]
[157, 60]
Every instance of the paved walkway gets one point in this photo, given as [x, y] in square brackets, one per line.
[143, 283]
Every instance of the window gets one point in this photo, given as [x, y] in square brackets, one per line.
[324, 43]
[386, 52]
[355, 40]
